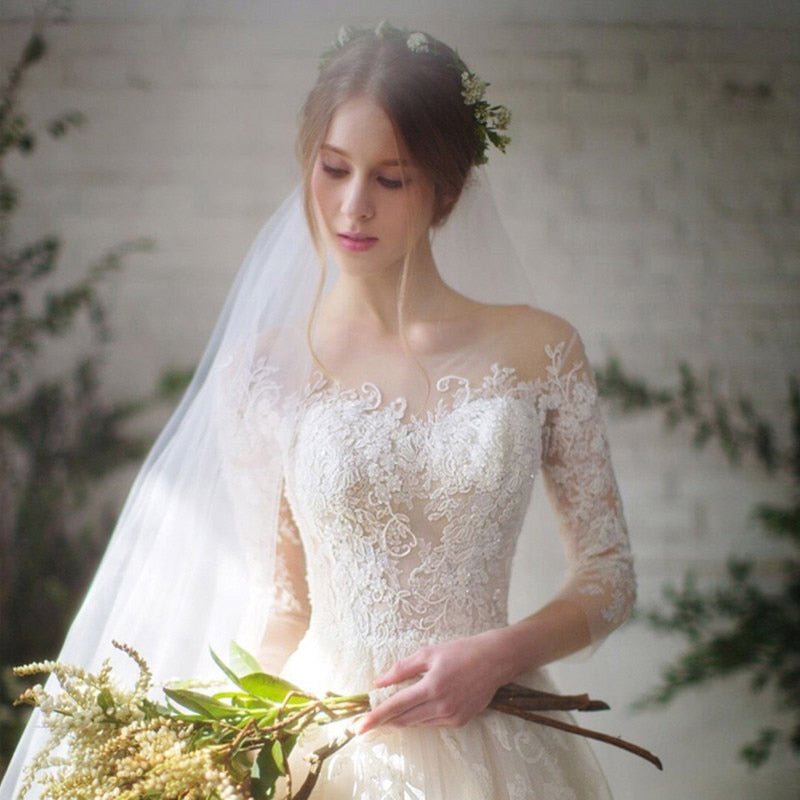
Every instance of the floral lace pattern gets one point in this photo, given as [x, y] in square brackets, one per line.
[412, 520]
[397, 530]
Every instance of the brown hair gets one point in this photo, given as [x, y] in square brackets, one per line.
[420, 92]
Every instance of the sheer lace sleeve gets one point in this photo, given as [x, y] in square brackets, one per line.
[580, 482]
[290, 609]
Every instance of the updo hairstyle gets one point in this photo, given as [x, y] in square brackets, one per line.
[420, 92]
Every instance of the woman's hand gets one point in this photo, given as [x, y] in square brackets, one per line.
[457, 680]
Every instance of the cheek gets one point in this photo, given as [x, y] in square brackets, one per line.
[320, 196]
[316, 187]
[421, 208]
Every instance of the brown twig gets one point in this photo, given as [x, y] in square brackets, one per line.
[514, 695]
[317, 758]
[589, 734]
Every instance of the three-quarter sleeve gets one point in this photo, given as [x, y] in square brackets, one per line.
[580, 482]
[289, 606]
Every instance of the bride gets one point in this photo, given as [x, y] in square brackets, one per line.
[344, 484]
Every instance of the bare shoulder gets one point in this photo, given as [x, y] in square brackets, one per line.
[528, 338]
[535, 325]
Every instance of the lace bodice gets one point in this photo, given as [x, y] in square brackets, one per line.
[407, 524]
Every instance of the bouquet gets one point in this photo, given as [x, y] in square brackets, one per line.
[107, 742]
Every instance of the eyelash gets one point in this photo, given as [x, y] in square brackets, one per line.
[339, 172]
[389, 183]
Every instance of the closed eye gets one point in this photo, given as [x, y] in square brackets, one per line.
[389, 183]
[335, 172]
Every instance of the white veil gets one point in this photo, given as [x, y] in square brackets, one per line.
[190, 563]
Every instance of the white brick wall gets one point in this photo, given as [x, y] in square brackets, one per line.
[658, 210]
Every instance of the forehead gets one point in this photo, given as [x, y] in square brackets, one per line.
[361, 130]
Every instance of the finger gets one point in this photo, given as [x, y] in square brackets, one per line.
[430, 713]
[419, 715]
[394, 706]
[383, 714]
[403, 670]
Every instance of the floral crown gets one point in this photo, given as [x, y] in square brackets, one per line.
[490, 120]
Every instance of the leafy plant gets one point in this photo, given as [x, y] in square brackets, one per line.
[232, 744]
[743, 625]
[59, 436]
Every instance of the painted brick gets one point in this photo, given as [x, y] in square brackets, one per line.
[606, 106]
[673, 74]
[789, 261]
[653, 209]
[742, 75]
[532, 103]
[618, 73]
[748, 198]
[613, 139]
[589, 40]
[770, 45]
[515, 67]
[637, 163]
[614, 197]
[137, 39]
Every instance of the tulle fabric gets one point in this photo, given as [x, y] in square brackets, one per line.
[494, 756]
[190, 562]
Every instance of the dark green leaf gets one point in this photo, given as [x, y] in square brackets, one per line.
[171, 385]
[757, 752]
[278, 756]
[201, 703]
[264, 775]
[64, 122]
[34, 49]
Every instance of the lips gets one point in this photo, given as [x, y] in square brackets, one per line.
[356, 242]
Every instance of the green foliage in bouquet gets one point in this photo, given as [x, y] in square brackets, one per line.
[229, 745]
[106, 741]
[742, 626]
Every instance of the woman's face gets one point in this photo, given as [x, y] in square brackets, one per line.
[371, 201]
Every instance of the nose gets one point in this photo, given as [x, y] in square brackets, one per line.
[357, 202]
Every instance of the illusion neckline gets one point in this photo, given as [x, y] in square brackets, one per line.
[499, 382]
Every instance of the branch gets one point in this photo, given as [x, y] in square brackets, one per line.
[317, 758]
[733, 422]
[589, 734]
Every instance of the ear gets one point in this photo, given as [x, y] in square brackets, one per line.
[444, 205]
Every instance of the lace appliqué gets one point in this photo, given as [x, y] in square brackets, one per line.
[584, 493]
[410, 522]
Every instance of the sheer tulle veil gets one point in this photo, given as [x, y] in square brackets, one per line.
[189, 565]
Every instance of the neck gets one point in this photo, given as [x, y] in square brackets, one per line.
[376, 298]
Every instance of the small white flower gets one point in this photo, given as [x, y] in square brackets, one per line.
[472, 87]
[346, 33]
[418, 43]
[502, 118]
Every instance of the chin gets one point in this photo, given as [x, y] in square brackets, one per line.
[367, 264]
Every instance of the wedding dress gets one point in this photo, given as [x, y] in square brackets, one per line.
[371, 522]
[398, 530]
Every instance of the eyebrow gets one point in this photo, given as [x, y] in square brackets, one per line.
[389, 162]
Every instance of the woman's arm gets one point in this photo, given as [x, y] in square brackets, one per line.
[459, 679]
[578, 476]
[290, 608]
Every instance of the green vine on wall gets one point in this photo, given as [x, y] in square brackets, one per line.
[744, 625]
[59, 437]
